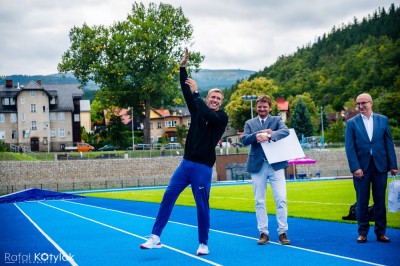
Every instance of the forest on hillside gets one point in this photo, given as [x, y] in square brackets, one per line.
[362, 56]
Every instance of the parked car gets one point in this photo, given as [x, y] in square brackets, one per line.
[143, 146]
[170, 146]
[108, 147]
[80, 147]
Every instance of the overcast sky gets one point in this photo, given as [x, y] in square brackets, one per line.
[231, 34]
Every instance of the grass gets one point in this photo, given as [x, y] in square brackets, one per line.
[320, 200]
[44, 156]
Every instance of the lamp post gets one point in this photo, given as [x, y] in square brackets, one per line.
[48, 136]
[133, 128]
[322, 129]
[250, 98]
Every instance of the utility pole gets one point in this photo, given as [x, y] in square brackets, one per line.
[250, 98]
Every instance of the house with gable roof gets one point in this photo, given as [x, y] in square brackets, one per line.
[163, 122]
[40, 117]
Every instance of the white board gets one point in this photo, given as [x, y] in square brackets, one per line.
[284, 149]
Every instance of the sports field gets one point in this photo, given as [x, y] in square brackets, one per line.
[105, 231]
[322, 199]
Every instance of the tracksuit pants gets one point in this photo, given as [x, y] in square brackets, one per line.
[199, 177]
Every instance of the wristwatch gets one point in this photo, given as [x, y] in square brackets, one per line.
[196, 91]
[269, 135]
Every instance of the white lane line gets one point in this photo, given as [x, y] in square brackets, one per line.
[232, 234]
[251, 199]
[66, 256]
[129, 233]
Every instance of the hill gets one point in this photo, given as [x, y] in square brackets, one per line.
[363, 56]
[206, 79]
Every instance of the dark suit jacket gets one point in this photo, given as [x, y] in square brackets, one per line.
[256, 154]
[358, 145]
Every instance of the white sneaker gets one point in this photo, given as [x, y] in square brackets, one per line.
[202, 250]
[152, 242]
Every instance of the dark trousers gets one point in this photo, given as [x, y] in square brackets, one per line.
[378, 181]
[199, 177]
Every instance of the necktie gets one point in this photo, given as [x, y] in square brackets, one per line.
[262, 122]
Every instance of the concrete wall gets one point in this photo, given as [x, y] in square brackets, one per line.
[331, 163]
[86, 174]
[116, 173]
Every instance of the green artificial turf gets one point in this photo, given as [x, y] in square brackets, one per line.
[322, 200]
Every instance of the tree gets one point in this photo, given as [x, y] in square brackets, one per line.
[301, 120]
[135, 62]
[237, 109]
[311, 107]
[336, 132]
[84, 135]
[275, 110]
[388, 106]
[115, 128]
[181, 133]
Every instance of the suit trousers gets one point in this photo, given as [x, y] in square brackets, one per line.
[378, 181]
[278, 185]
[199, 177]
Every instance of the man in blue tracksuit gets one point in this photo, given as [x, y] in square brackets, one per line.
[207, 126]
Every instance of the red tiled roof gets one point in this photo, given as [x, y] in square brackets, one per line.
[282, 104]
[163, 112]
[123, 113]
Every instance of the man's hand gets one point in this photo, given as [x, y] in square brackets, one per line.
[393, 172]
[358, 173]
[192, 84]
[185, 58]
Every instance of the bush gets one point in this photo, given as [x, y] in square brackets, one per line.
[3, 146]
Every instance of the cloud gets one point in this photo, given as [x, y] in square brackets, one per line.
[245, 34]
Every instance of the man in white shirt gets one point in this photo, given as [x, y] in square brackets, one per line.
[370, 154]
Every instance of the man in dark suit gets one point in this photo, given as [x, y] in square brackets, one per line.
[267, 128]
[370, 153]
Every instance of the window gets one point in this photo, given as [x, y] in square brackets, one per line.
[2, 134]
[26, 133]
[22, 100]
[44, 109]
[6, 101]
[12, 102]
[171, 123]
[53, 101]
[23, 117]
[33, 108]
[61, 116]
[188, 122]
[33, 125]
[52, 116]
[76, 118]
[53, 133]
[14, 134]
[33, 93]
[2, 119]
[62, 133]
[158, 125]
[13, 118]
[151, 126]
